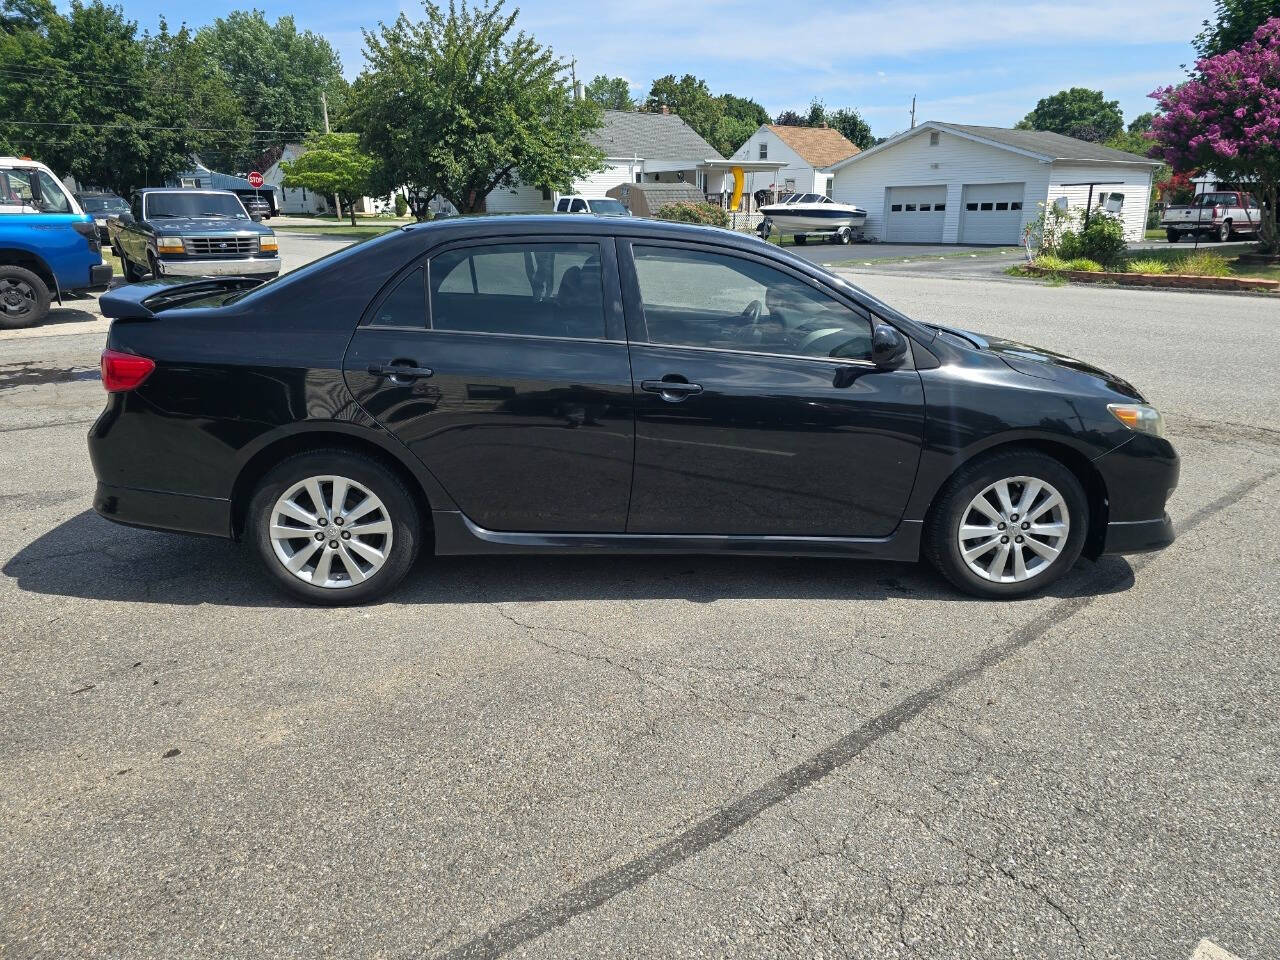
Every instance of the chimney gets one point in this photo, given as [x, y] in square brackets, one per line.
[665, 110]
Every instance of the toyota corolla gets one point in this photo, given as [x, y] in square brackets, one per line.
[594, 385]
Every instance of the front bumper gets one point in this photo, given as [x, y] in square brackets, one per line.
[1138, 536]
[157, 510]
[260, 267]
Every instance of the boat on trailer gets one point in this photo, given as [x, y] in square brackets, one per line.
[801, 214]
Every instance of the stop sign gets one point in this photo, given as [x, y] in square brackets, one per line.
[255, 179]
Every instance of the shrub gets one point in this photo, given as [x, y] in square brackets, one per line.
[1084, 265]
[704, 213]
[1102, 240]
[402, 206]
[1149, 265]
[1049, 261]
[1203, 264]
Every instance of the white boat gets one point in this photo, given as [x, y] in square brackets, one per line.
[805, 213]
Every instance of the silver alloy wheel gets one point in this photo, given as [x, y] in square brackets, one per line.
[331, 532]
[1014, 530]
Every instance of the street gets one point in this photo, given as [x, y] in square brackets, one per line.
[655, 757]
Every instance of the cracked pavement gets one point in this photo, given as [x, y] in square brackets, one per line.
[657, 757]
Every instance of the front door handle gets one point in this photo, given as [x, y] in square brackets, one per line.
[673, 391]
[401, 370]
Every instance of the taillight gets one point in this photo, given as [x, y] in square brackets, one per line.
[1217, 212]
[124, 371]
[89, 231]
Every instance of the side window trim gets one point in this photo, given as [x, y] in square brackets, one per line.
[637, 328]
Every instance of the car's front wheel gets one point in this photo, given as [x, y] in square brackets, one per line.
[24, 298]
[1008, 525]
[334, 527]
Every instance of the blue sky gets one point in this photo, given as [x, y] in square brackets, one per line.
[967, 61]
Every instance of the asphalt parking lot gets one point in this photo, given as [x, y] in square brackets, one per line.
[656, 757]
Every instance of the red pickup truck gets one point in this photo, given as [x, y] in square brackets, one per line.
[1222, 215]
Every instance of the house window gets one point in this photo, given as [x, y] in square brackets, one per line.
[1002, 205]
[546, 193]
[638, 176]
[986, 206]
[1015, 205]
[971, 206]
[896, 208]
[911, 207]
[939, 207]
[764, 151]
[925, 208]
[933, 138]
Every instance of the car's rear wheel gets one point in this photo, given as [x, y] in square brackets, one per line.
[1008, 525]
[1225, 232]
[24, 298]
[801, 239]
[334, 527]
[1173, 236]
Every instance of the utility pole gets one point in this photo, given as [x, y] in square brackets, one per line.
[324, 107]
[913, 112]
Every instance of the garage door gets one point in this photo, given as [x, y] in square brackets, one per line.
[992, 213]
[915, 214]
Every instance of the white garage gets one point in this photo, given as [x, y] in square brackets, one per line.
[956, 183]
[992, 212]
[915, 214]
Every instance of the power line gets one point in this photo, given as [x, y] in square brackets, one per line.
[144, 126]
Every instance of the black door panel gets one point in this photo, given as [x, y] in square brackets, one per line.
[772, 445]
[526, 434]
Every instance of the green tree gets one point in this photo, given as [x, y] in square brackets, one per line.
[851, 125]
[1142, 123]
[90, 97]
[333, 164]
[277, 72]
[688, 97]
[611, 93]
[739, 119]
[1233, 25]
[457, 105]
[817, 114]
[789, 118]
[1076, 112]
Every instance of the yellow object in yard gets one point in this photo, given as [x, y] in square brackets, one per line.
[737, 187]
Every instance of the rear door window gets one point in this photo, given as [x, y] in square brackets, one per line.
[406, 304]
[521, 289]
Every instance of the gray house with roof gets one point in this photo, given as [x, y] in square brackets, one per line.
[638, 148]
[956, 183]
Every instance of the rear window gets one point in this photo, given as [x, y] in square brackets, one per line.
[523, 289]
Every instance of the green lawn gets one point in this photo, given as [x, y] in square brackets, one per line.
[1155, 233]
[361, 231]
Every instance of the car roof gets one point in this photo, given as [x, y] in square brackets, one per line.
[499, 225]
[182, 190]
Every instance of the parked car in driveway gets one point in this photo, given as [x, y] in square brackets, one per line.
[1221, 215]
[594, 385]
[102, 207]
[257, 207]
[604, 206]
[48, 245]
[191, 233]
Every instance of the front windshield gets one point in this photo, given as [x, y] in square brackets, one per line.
[809, 198]
[191, 204]
[103, 203]
[609, 207]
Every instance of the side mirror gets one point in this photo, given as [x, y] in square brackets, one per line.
[888, 347]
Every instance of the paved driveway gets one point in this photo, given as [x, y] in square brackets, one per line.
[698, 757]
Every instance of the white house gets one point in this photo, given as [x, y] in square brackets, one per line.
[807, 153]
[638, 148]
[954, 183]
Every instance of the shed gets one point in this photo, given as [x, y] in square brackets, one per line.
[646, 199]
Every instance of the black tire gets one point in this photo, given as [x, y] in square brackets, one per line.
[942, 528]
[24, 298]
[132, 274]
[151, 266]
[1225, 232]
[1173, 236]
[400, 510]
[801, 239]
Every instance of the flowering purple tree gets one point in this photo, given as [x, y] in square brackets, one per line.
[1226, 118]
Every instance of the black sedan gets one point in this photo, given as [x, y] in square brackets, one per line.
[593, 385]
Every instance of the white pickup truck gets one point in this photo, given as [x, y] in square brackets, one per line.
[1221, 215]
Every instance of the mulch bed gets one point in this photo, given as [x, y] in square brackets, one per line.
[1178, 280]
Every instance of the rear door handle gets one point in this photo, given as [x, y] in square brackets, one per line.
[401, 371]
[672, 391]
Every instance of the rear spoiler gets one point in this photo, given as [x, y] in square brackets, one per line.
[142, 301]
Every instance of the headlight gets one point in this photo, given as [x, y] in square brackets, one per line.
[169, 245]
[1139, 417]
[267, 245]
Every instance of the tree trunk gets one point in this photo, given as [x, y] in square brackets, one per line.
[1270, 195]
[351, 205]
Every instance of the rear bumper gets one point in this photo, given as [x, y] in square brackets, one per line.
[157, 510]
[262, 267]
[1138, 536]
[99, 275]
